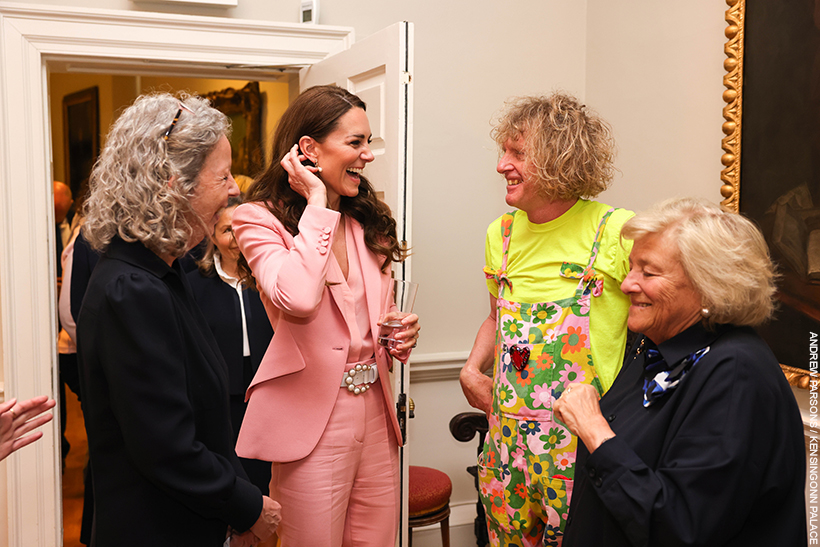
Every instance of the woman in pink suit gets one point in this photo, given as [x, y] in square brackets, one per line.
[319, 245]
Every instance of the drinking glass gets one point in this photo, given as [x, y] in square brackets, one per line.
[404, 296]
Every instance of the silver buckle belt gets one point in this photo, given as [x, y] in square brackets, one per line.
[359, 378]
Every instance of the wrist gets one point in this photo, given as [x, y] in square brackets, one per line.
[595, 434]
[318, 197]
[468, 370]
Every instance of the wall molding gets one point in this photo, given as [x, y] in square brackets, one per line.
[437, 367]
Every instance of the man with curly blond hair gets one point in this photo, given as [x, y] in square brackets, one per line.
[557, 316]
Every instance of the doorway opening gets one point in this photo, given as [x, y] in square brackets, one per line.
[113, 93]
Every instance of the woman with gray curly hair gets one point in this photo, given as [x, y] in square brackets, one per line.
[700, 440]
[553, 268]
[154, 384]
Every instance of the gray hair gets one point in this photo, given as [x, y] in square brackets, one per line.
[723, 253]
[141, 185]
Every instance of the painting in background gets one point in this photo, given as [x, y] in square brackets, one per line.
[244, 108]
[81, 130]
[780, 161]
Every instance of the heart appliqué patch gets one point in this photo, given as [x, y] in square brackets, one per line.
[519, 356]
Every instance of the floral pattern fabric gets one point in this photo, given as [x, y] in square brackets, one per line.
[527, 466]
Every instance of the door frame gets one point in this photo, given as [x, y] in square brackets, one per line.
[34, 39]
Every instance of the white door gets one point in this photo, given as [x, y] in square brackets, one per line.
[379, 70]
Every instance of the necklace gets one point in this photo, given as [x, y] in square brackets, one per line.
[640, 348]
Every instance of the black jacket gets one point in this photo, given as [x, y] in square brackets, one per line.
[156, 409]
[718, 462]
[83, 262]
[220, 305]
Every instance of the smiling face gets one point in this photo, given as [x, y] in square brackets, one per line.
[522, 188]
[214, 185]
[343, 155]
[224, 239]
[664, 302]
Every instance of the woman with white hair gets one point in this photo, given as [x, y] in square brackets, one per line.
[699, 441]
[154, 384]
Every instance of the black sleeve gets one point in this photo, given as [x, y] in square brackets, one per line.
[84, 260]
[715, 459]
[143, 354]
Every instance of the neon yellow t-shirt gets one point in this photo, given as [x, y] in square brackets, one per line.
[536, 254]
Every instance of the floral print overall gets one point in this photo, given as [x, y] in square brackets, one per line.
[527, 466]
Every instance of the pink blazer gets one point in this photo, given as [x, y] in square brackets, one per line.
[294, 390]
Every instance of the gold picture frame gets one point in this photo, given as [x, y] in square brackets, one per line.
[81, 137]
[733, 97]
[766, 185]
[244, 108]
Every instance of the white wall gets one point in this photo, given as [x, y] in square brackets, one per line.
[655, 71]
[468, 59]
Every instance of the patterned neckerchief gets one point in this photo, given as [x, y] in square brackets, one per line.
[660, 379]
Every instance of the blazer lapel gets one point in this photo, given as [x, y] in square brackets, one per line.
[334, 280]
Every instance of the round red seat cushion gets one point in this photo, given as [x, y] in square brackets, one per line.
[430, 490]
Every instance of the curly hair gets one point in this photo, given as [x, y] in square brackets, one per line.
[713, 244]
[569, 149]
[141, 185]
[316, 113]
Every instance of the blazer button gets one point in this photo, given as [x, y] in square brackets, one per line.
[326, 229]
[325, 236]
[323, 250]
[610, 418]
[598, 482]
[592, 472]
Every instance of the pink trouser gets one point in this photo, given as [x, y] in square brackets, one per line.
[346, 492]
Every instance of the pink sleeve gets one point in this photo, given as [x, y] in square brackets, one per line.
[291, 271]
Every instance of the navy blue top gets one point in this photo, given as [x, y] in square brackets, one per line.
[720, 461]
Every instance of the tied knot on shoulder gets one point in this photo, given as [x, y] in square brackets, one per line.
[660, 378]
[500, 276]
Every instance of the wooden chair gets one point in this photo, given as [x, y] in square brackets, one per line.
[429, 502]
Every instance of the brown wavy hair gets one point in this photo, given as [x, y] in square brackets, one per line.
[206, 264]
[315, 113]
[570, 149]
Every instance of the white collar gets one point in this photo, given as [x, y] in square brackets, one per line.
[232, 281]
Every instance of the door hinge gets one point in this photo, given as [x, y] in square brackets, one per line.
[406, 78]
